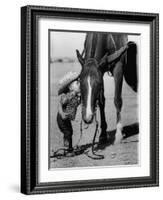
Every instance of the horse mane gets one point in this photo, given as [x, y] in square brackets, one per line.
[91, 61]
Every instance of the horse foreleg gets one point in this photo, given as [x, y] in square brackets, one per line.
[118, 79]
[103, 135]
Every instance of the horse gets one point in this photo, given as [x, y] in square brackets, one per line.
[112, 53]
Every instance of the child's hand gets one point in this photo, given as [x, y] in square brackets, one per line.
[64, 115]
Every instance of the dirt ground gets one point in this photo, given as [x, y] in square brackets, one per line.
[124, 153]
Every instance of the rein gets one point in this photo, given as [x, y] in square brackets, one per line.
[94, 155]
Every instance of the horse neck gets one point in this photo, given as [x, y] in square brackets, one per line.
[120, 40]
[95, 46]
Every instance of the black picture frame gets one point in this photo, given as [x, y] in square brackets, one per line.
[29, 100]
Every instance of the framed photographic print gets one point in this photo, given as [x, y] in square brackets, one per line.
[89, 99]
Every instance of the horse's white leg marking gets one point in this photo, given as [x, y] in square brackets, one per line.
[118, 135]
[88, 108]
[118, 78]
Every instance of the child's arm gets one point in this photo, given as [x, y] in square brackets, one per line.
[63, 99]
[60, 110]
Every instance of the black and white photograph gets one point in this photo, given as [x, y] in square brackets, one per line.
[93, 115]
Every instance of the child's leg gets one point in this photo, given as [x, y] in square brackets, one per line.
[66, 128]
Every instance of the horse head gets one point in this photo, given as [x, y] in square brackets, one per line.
[91, 83]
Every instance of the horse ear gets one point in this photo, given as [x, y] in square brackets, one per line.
[80, 58]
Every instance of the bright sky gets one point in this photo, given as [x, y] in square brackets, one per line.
[64, 44]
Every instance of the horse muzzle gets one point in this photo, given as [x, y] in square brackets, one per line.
[88, 119]
[89, 116]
